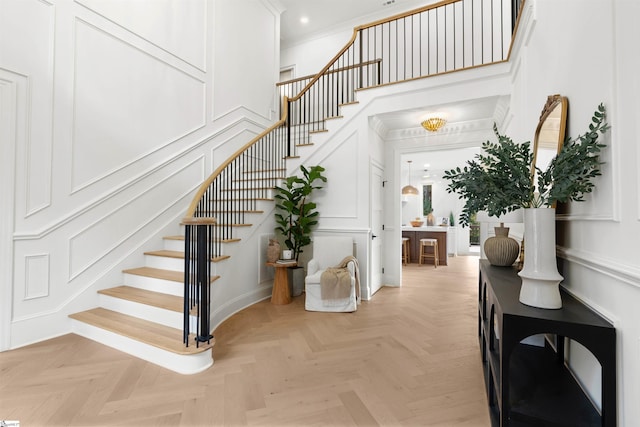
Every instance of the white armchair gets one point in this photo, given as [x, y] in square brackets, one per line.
[330, 251]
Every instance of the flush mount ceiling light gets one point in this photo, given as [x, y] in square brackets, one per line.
[409, 190]
[433, 124]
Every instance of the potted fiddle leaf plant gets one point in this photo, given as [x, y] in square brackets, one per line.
[296, 214]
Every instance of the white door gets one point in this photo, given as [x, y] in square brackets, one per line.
[376, 229]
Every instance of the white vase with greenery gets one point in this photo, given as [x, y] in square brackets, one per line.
[500, 181]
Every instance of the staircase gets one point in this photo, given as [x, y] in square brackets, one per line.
[145, 315]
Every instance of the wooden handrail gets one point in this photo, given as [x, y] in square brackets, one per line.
[406, 14]
[203, 188]
[337, 70]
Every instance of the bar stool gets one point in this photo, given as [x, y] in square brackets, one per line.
[425, 243]
[406, 252]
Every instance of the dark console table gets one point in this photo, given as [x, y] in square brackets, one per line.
[531, 385]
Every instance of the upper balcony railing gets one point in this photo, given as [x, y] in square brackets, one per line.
[440, 38]
[447, 36]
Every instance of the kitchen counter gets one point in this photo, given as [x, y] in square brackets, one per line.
[434, 228]
[426, 232]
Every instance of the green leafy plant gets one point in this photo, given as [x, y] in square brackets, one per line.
[426, 206]
[499, 180]
[295, 213]
[570, 174]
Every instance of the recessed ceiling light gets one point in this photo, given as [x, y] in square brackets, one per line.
[427, 165]
[304, 20]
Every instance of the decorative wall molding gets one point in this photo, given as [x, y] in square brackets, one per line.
[87, 115]
[197, 63]
[345, 151]
[84, 233]
[242, 113]
[585, 217]
[626, 273]
[8, 111]
[37, 276]
[451, 128]
[39, 30]
[132, 182]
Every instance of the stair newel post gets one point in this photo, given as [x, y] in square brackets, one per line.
[197, 276]
[203, 262]
[187, 284]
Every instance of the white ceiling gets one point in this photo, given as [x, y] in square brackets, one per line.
[328, 15]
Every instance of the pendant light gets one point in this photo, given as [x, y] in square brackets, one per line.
[409, 190]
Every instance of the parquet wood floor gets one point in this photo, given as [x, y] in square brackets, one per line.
[408, 357]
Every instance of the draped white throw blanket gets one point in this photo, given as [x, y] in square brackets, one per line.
[335, 282]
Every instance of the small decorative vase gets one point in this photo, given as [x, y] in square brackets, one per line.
[501, 250]
[273, 250]
[431, 219]
[540, 277]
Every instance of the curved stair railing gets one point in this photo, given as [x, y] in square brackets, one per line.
[443, 37]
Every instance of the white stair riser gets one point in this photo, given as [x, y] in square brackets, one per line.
[162, 316]
[168, 263]
[165, 263]
[180, 363]
[154, 284]
[173, 245]
[178, 245]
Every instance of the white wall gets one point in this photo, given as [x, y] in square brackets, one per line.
[118, 111]
[594, 59]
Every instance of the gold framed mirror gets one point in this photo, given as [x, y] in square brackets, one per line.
[550, 133]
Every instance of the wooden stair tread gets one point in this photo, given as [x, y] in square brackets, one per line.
[166, 253]
[265, 170]
[164, 337]
[244, 211]
[155, 299]
[176, 254]
[157, 273]
[242, 199]
[181, 238]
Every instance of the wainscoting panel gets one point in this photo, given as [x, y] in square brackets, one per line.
[340, 192]
[33, 23]
[37, 276]
[127, 104]
[179, 27]
[233, 84]
[105, 234]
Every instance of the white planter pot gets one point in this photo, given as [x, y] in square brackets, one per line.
[540, 277]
